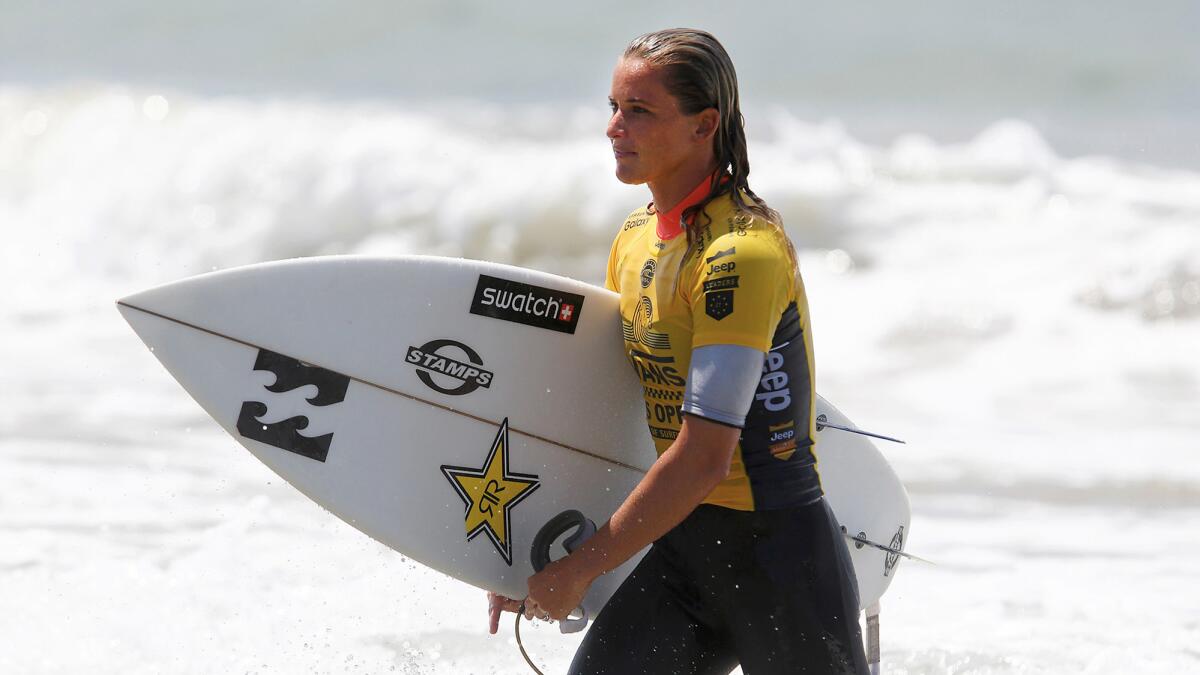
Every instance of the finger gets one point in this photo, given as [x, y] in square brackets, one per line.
[494, 610]
[532, 609]
[507, 603]
[497, 604]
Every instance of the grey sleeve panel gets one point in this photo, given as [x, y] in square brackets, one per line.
[721, 382]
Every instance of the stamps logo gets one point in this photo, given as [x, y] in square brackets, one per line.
[490, 493]
[431, 362]
[285, 434]
[527, 304]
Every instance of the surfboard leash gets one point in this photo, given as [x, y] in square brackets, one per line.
[517, 631]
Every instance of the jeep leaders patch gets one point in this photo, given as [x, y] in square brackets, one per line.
[721, 284]
[718, 304]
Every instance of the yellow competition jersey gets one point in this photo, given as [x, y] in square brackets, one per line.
[737, 288]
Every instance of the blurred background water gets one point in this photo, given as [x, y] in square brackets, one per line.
[997, 207]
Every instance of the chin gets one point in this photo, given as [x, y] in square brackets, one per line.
[628, 176]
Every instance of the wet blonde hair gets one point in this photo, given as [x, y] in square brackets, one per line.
[699, 74]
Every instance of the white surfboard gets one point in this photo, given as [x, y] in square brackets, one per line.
[451, 408]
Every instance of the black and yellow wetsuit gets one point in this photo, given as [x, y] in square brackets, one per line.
[758, 574]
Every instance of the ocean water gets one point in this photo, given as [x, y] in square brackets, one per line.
[998, 216]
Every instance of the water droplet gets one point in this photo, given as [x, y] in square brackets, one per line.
[839, 262]
[155, 108]
[1058, 206]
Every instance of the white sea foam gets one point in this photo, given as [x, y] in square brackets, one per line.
[1027, 321]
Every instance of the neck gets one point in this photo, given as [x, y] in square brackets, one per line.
[667, 193]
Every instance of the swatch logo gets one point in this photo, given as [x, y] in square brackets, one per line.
[527, 304]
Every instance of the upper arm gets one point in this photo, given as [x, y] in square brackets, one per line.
[740, 291]
[721, 383]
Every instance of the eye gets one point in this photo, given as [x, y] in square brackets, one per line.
[612, 105]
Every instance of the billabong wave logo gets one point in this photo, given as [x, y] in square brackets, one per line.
[527, 304]
[285, 434]
[490, 493]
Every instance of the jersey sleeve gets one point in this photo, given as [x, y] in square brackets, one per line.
[740, 291]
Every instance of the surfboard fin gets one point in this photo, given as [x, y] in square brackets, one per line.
[823, 421]
[895, 551]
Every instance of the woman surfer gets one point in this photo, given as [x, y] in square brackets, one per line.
[748, 565]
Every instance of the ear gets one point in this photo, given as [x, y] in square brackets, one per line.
[707, 121]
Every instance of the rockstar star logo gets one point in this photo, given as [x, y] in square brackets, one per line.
[490, 493]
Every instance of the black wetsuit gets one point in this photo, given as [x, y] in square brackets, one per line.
[773, 591]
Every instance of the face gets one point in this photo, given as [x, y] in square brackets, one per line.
[651, 138]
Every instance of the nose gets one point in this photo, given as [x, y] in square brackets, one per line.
[616, 126]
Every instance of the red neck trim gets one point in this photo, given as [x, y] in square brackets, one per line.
[669, 225]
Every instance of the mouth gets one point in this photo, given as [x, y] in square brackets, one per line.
[623, 154]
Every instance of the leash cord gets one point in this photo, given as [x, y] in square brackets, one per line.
[517, 630]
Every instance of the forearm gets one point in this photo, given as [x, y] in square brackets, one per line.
[677, 482]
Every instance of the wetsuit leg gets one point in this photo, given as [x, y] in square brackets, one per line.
[773, 590]
[653, 625]
[788, 594]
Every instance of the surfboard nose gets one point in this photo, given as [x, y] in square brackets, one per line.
[138, 318]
